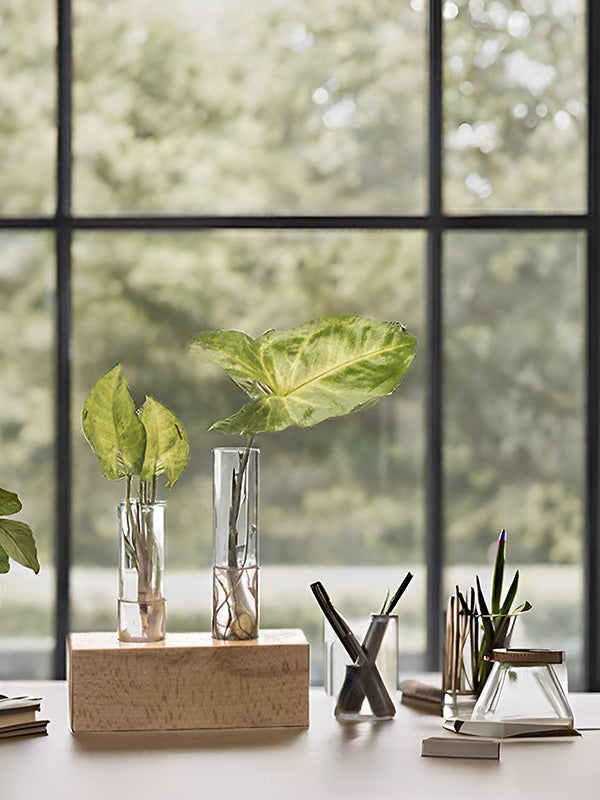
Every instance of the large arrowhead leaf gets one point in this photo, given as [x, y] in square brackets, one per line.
[325, 368]
[16, 539]
[112, 428]
[9, 502]
[4, 562]
[167, 447]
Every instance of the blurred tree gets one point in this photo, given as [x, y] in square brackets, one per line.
[318, 107]
[515, 105]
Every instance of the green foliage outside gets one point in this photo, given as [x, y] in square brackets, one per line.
[307, 108]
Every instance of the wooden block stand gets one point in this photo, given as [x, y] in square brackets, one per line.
[188, 681]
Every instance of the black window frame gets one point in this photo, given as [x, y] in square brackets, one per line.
[434, 224]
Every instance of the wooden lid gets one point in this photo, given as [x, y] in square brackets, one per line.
[530, 657]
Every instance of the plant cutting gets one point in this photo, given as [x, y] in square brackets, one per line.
[497, 622]
[17, 541]
[327, 367]
[474, 628]
[139, 446]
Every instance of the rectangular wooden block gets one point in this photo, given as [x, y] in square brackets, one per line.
[188, 681]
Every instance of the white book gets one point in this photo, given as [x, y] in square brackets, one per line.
[509, 730]
[456, 747]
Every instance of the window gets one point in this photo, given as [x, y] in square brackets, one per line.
[252, 166]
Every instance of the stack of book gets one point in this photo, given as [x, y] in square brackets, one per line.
[422, 697]
[18, 717]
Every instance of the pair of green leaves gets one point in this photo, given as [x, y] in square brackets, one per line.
[327, 367]
[16, 538]
[146, 442]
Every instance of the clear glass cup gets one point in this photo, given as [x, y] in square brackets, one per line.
[344, 680]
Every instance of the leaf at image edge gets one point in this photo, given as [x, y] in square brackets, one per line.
[9, 502]
[16, 539]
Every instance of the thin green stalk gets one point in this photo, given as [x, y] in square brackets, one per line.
[237, 482]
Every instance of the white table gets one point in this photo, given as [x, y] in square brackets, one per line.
[328, 760]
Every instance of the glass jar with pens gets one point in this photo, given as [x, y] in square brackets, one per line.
[361, 674]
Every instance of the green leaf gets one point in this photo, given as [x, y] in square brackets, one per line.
[326, 368]
[112, 428]
[4, 562]
[526, 606]
[486, 621]
[9, 502]
[16, 539]
[510, 595]
[167, 448]
[498, 575]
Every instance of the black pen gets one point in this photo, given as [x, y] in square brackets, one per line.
[362, 669]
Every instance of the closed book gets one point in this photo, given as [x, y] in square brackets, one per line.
[510, 730]
[18, 711]
[28, 729]
[455, 747]
[422, 697]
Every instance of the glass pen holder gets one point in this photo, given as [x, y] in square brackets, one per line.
[525, 686]
[360, 695]
[465, 667]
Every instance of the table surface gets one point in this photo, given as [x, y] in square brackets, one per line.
[328, 760]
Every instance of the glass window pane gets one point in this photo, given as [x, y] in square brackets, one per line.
[515, 105]
[27, 436]
[514, 421]
[341, 502]
[236, 107]
[27, 101]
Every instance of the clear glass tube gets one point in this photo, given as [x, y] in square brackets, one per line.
[142, 604]
[235, 543]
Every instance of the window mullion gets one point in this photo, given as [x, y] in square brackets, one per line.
[62, 524]
[433, 492]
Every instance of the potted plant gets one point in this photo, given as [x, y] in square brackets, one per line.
[327, 367]
[17, 541]
[138, 445]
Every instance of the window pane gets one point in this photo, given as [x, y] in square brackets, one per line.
[514, 421]
[26, 433]
[236, 107]
[515, 105]
[341, 502]
[27, 100]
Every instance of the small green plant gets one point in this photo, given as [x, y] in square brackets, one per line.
[17, 541]
[497, 618]
[138, 445]
[481, 627]
[327, 367]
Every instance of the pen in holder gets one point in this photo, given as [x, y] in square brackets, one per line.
[377, 656]
[470, 636]
[461, 650]
[380, 644]
[362, 668]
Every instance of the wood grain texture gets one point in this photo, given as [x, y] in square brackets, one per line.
[188, 681]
